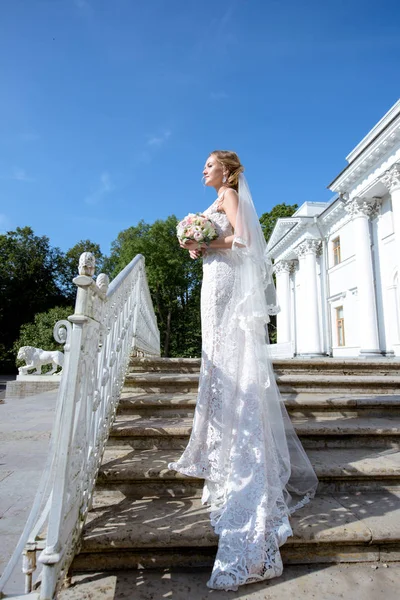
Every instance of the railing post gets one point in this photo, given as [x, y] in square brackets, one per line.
[82, 322]
[28, 568]
[136, 310]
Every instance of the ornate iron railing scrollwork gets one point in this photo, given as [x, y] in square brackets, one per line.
[110, 321]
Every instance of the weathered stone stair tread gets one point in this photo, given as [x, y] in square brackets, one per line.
[319, 364]
[298, 582]
[166, 361]
[348, 426]
[335, 400]
[162, 377]
[134, 425]
[338, 379]
[302, 404]
[163, 399]
[140, 465]
[350, 519]
[299, 400]
[336, 365]
[166, 377]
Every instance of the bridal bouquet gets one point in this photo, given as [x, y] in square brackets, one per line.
[197, 228]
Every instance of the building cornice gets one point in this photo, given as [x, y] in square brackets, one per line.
[369, 157]
[388, 118]
[285, 230]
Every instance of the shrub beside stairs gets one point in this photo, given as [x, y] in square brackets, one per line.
[347, 414]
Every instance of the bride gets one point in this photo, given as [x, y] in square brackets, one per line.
[243, 443]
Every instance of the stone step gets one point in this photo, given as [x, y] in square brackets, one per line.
[126, 533]
[145, 472]
[327, 365]
[320, 432]
[298, 405]
[155, 383]
[334, 405]
[374, 384]
[375, 580]
[339, 366]
[160, 364]
[164, 404]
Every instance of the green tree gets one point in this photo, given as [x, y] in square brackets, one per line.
[268, 219]
[28, 273]
[68, 266]
[174, 281]
[39, 333]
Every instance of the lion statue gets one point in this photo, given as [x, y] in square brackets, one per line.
[35, 358]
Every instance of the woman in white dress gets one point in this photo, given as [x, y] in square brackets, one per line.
[242, 443]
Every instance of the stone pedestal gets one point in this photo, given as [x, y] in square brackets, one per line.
[29, 385]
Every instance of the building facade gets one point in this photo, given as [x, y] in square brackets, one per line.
[337, 263]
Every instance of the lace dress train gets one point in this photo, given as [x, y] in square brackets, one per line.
[239, 418]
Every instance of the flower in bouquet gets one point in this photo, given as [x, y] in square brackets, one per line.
[196, 227]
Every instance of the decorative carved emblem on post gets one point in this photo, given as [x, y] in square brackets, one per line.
[102, 282]
[87, 264]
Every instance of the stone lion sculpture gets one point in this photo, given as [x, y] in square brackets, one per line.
[35, 358]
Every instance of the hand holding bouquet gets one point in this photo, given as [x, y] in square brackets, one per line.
[196, 228]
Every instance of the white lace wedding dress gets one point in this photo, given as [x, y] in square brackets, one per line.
[233, 445]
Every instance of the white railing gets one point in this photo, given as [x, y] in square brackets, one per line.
[109, 323]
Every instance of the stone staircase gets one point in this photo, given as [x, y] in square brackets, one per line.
[347, 414]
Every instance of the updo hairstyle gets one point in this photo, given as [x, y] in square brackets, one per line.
[231, 163]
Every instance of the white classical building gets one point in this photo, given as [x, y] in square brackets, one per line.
[337, 263]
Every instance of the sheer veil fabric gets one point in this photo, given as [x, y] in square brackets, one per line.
[243, 443]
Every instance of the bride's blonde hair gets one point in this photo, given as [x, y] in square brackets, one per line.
[231, 162]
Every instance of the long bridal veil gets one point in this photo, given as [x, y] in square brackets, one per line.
[264, 472]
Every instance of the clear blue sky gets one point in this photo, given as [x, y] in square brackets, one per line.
[109, 108]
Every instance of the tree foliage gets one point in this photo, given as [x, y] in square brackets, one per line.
[174, 281]
[28, 268]
[36, 283]
[34, 277]
[268, 219]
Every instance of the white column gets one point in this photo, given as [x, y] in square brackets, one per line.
[391, 179]
[283, 269]
[310, 342]
[393, 319]
[361, 209]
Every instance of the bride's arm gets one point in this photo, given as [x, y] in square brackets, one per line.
[229, 207]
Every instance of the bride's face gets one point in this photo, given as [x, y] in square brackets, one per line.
[213, 172]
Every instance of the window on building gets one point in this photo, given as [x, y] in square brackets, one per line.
[336, 250]
[340, 326]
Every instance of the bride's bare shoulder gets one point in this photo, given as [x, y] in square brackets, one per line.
[229, 199]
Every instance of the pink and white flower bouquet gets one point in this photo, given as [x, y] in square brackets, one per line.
[196, 228]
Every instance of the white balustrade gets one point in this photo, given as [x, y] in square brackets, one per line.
[109, 323]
